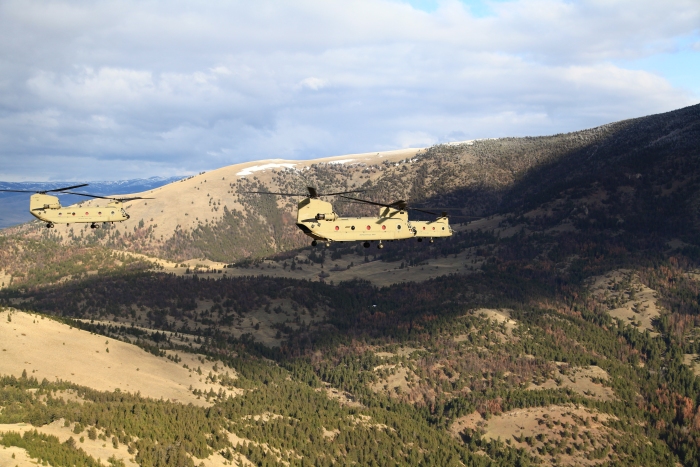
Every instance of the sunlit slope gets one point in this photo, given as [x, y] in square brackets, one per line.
[45, 348]
[201, 199]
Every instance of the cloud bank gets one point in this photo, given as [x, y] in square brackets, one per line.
[121, 89]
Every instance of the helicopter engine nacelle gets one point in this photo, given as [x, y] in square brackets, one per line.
[41, 201]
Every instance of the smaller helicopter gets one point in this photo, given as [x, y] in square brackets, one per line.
[318, 220]
[47, 208]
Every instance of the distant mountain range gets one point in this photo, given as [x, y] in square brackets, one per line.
[14, 206]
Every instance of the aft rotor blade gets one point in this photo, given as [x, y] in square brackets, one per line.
[20, 191]
[422, 210]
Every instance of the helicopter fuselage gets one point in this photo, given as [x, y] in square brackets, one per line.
[317, 219]
[48, 209]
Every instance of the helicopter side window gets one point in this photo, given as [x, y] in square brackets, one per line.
[398, 227]
[353, 227]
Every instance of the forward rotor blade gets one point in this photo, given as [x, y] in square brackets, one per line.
[400, 204]
[368, 202]
[46, 191]
[67, 188]
[342, 192]
[124, 200]
[106, 197]
[271, 193]
[85, 194]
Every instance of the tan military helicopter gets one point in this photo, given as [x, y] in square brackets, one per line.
[47, 208]
[318, 220]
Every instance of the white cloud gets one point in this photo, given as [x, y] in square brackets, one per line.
[313, 83]
[184, 86]
[415, 139]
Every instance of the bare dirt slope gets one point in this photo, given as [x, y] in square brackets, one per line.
[52, 350]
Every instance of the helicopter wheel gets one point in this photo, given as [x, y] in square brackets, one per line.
[49, 225]
[328, 244]
[432, 241]
[380, 246]
[366, 244]
[420, 239]
[94, 226]
[314, 243]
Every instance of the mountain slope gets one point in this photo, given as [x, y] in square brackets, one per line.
[561, 329]
[631, 172]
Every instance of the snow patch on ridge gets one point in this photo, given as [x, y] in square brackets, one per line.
[342, 161]
[256, 168]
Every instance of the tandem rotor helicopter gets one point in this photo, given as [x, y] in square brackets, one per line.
[47, 208]
[318, 220]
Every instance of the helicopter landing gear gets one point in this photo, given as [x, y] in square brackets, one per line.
[420, 239]
[328, 244]
[380, 246]
[432, 241]
[366, 244]
[314, 243]
[49, 225]
[94, 226]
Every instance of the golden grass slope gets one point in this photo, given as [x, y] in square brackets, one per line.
[52, 350]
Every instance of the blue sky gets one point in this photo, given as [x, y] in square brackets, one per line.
[479, 9]
[122, 89]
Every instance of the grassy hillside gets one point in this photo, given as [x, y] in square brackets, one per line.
[565, 332]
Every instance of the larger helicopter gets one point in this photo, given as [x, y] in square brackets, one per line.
[47, 208]
[318, 220]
